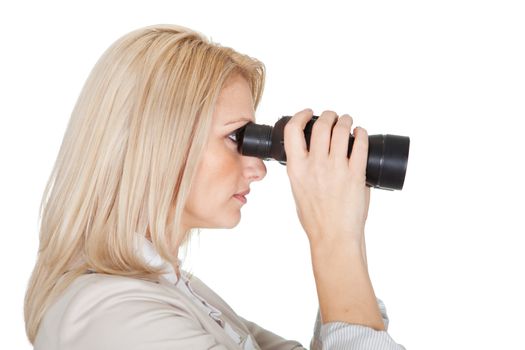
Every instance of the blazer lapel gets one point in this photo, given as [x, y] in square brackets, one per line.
[209, 323]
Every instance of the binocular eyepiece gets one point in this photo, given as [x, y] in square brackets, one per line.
[387, 154]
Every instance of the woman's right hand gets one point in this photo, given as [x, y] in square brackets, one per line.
[329, 190]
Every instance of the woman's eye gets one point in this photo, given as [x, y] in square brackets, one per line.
[233, 137]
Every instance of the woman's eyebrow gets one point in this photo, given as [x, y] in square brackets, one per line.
[239, 120]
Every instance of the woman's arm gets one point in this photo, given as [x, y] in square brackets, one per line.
[330, 336]
[332, 201]
[110, 312]
[339, 335]
[343, 285]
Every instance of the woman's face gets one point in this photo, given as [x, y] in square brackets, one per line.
[223, 171]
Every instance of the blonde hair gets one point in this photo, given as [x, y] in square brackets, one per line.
[128, 157]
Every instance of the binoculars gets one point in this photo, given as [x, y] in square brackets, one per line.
[387, 154]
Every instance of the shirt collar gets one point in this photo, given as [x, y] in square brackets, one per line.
[146, 249]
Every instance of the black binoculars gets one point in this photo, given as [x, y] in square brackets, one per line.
[387, 154]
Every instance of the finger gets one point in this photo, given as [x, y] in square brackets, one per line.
[359, 155]
[293, 133]
[340, 139]
[321, 135]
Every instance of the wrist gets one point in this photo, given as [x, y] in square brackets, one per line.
[335, 249]
[331, 261]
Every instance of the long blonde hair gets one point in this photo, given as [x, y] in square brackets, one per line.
[128, 157]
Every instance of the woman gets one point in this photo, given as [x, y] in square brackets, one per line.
[149, 155]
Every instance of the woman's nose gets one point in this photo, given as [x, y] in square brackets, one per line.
[254, 168]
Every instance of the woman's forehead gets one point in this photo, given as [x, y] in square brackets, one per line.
[235, 103]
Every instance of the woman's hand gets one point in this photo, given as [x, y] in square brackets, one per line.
[332, 202]
[329, 189]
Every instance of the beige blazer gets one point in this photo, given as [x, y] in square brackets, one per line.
[100, 311]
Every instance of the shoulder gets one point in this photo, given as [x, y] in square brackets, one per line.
[104, 309]
[103, 293]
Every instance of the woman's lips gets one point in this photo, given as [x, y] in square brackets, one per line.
[242, 195]
[240, 198]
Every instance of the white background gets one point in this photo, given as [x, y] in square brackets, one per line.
[445, 253]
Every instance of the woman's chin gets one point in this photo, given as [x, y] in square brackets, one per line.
[228, 220]
[234, 222]
[234, 219]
